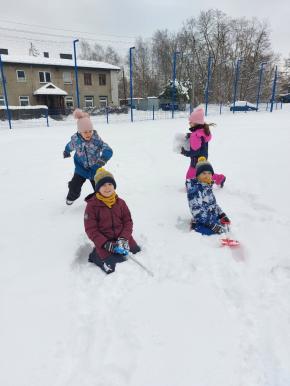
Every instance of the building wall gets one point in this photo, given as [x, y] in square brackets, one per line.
[114, 88]
[17, 88]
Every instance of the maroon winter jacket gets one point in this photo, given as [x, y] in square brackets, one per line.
[103, 223]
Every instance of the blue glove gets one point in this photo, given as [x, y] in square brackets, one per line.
[66, 154]
[114, 247]
[123, 243]
[121, 251]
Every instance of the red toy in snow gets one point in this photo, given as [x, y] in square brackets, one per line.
[230, 242]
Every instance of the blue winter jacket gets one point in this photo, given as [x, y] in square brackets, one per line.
[202, 203]
[88, 154]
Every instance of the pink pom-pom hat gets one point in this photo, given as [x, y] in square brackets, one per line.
[83, 121]
[197, 117]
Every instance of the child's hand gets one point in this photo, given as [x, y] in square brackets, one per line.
[123, 243]
[110, 246]
[218, 229]
[224, 219]
[114, 247]
[100, 162]
[183, 151]
[66, 154]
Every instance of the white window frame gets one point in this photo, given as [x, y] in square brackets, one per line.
[103, 99]
[67, 78]
[2, 99]
[44, 75]
[89, 101]
[68, 99]
[27, 99]
[21, 79]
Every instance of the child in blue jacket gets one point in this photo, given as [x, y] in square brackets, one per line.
[207, 216]
[91, 153]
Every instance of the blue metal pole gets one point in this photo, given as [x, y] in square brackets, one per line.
[274, 89]
[237, 74]
[260, 82]
[153, 113]
[173, 83]
[107, 114]
[5, 92]
[131, 81]
[207, 83]
[76, 73]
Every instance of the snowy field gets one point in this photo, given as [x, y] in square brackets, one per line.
[210, 316]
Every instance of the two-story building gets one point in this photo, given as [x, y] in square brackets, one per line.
[47, 81]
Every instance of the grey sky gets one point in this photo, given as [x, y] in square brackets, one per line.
[141, 18]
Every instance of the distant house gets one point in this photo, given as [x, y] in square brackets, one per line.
[47, 81]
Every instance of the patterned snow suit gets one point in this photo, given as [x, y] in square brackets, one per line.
[89, 156]
[203, 206]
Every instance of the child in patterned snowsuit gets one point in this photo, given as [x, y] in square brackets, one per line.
[207, 217]
[108, 224]
[198, 144]
[91, 153]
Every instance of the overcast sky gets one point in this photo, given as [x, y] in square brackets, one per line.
[123, 19]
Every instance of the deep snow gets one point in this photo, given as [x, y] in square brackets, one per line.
[210, 316]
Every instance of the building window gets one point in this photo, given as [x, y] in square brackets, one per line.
[69, 102]
[87, 79]
[89, 101]
[46, 54]
[67, 79]
[102, 79]
[20, 76]
[65, 56]
[3, 51]
[24, 101]
[2, 100]
[44, 77]
[103, 101]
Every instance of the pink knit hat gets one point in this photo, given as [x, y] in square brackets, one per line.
[83, 121]
[197, 116]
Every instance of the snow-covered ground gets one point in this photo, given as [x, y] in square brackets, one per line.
[210, 315]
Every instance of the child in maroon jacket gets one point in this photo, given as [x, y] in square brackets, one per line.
[108, 224]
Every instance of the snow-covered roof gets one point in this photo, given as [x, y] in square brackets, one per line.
[49, 89]
[38, 60]
[24, 107]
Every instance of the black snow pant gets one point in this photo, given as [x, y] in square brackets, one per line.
[75, 187]
[107, 265]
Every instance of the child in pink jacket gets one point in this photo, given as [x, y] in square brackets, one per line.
[198, 144]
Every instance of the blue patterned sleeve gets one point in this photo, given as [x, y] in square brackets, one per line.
[71, 145]
[105, 150]
[195, 203]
